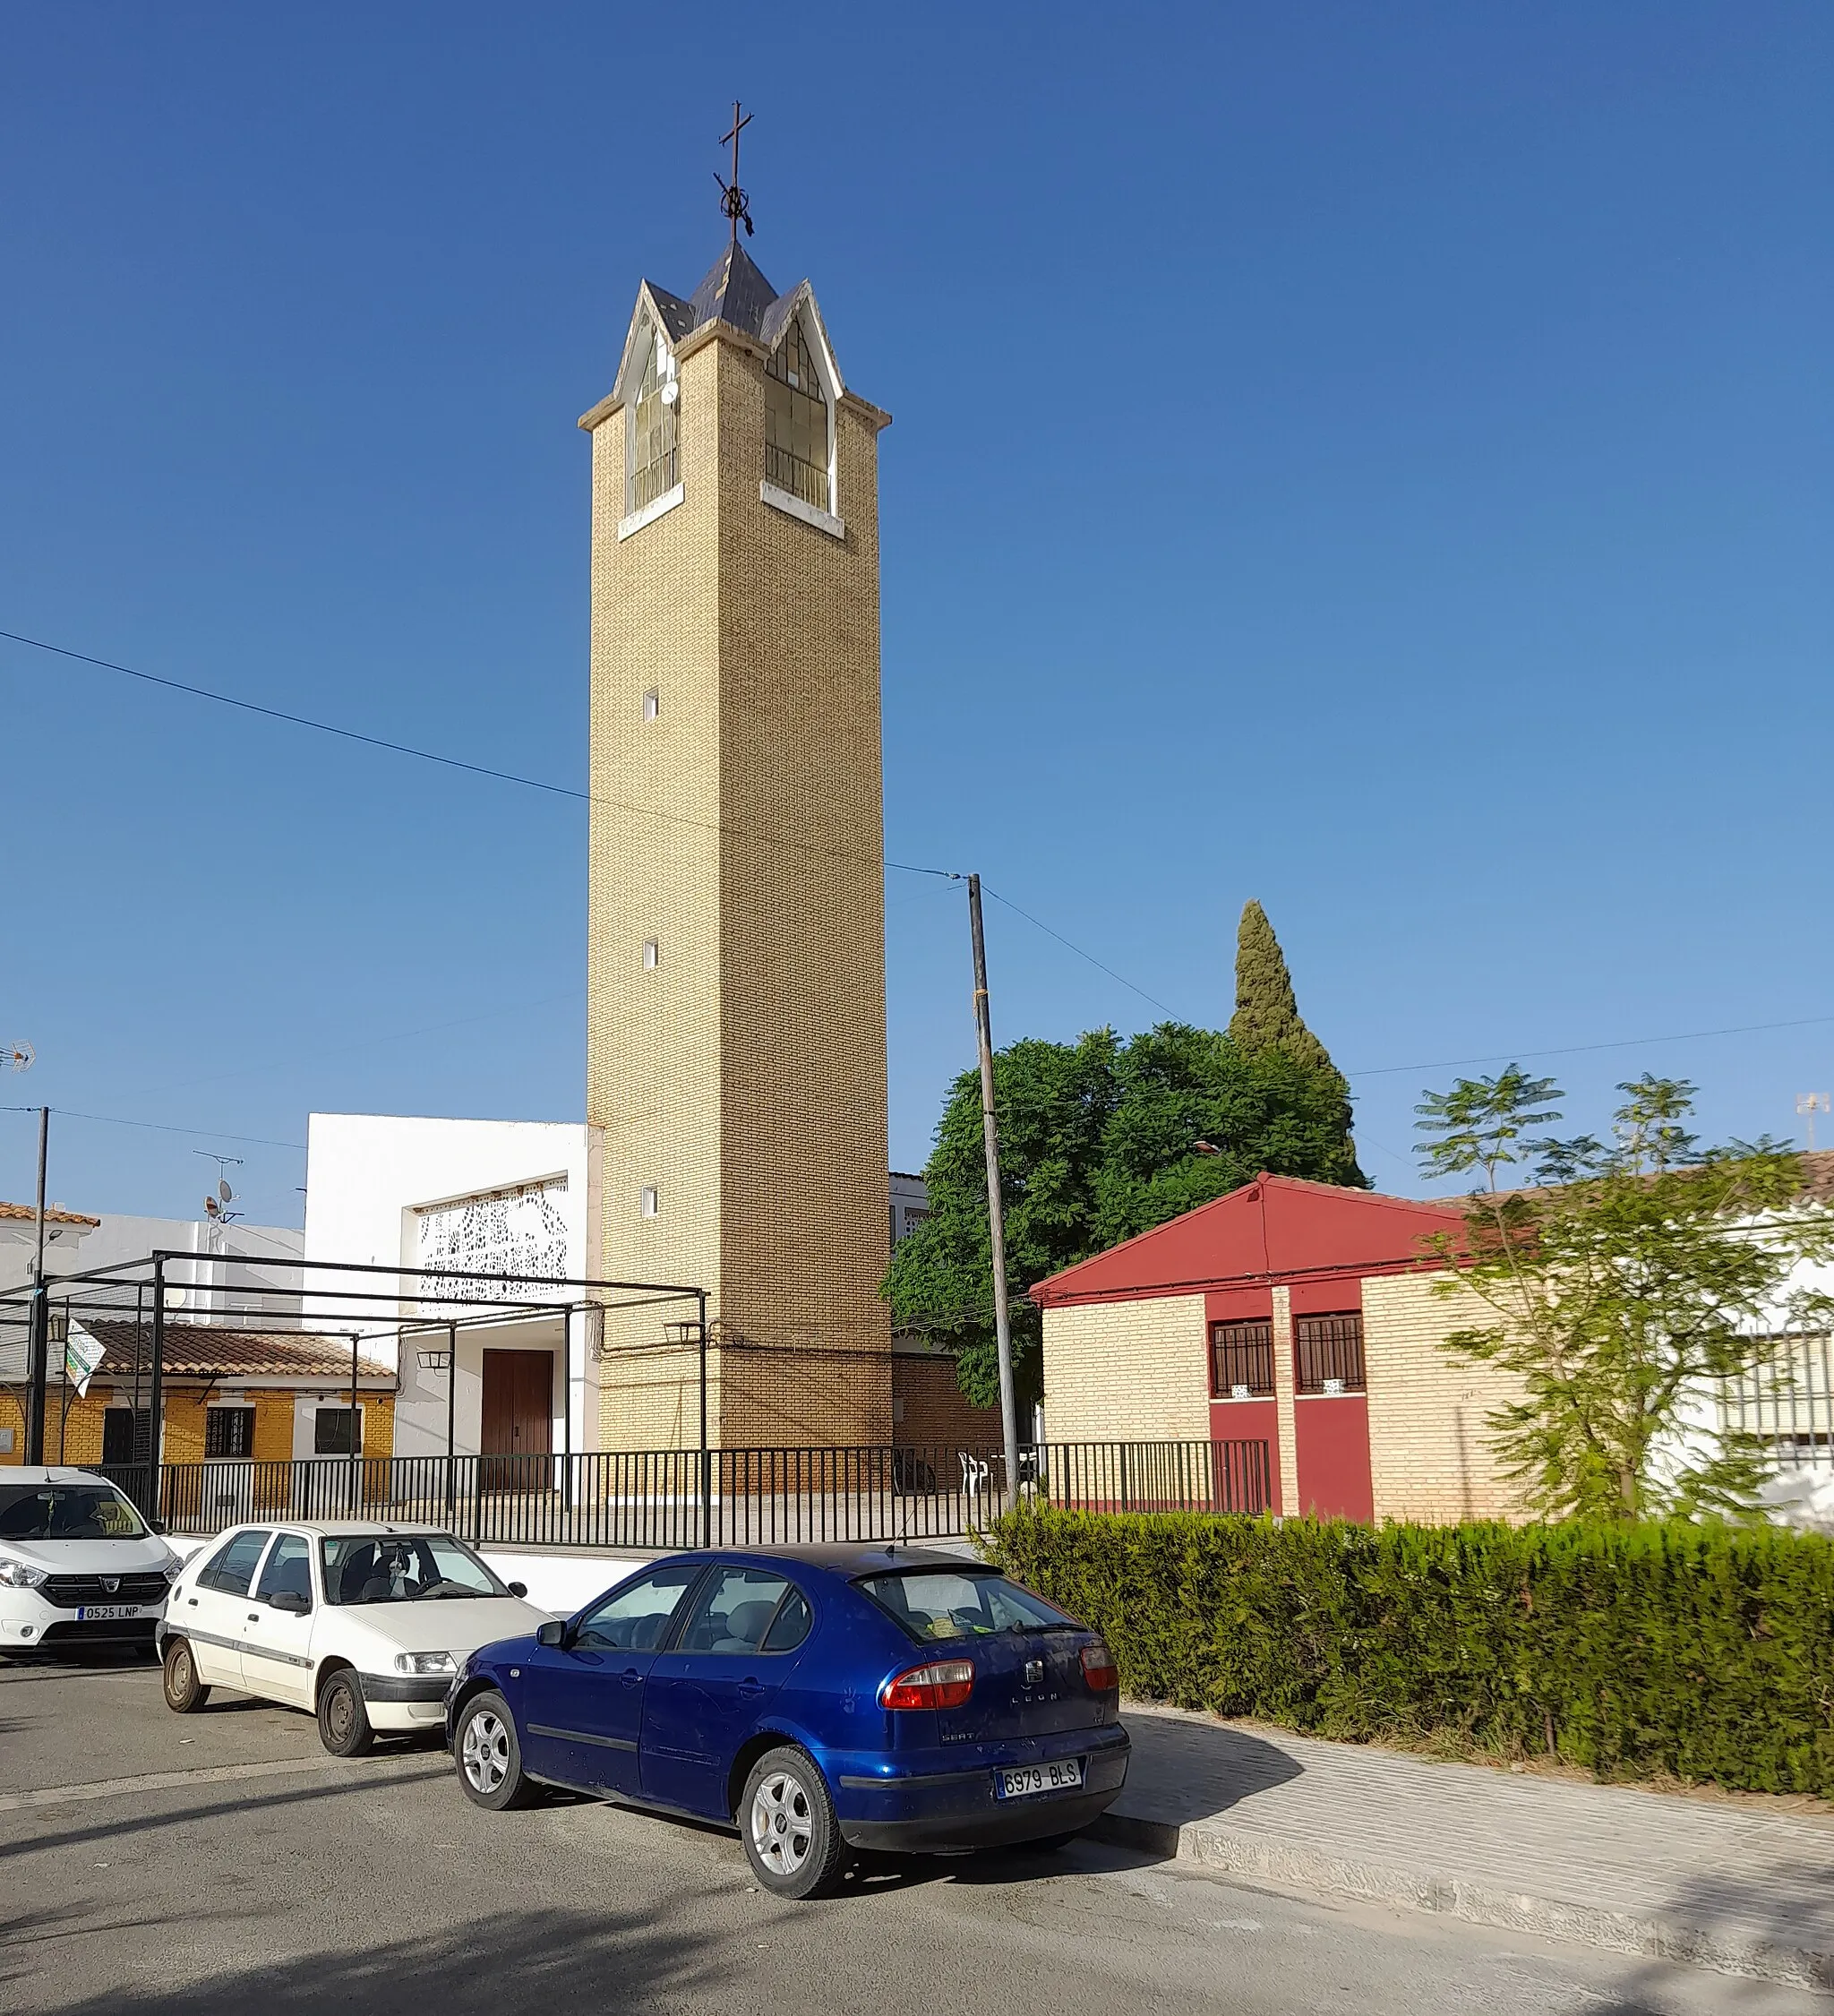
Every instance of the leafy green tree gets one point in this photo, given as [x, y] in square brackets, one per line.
[1634, 1276]
[1100, 1140]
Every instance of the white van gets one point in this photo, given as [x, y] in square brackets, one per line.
[78, 1564]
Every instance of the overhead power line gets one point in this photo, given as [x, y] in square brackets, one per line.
[157, 1127]
[1576, 1049]
[472, 769]
[550, 788]
[1037, 925]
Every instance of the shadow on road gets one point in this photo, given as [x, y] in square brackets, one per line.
[1186, 1770]
[1784, 1914]
[235, 1801]
[555, 1962]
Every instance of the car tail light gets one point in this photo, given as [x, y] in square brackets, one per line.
[946, 1684]
[1098, 1667]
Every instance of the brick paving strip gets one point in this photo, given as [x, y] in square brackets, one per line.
[1724, 1885]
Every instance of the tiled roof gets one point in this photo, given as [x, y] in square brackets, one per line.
[197, 1351]
[734, 291]
[29, 1213]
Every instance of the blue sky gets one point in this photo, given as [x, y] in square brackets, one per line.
[1375, 461]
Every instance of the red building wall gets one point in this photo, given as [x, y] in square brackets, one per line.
[1317, 1243]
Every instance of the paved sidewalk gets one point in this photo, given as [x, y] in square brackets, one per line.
[1729, 1885]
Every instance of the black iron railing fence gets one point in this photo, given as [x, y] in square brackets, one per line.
[667, 1498]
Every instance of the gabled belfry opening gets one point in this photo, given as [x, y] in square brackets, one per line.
[798, 422]
[653, 460]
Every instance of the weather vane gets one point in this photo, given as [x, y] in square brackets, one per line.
[734, 201]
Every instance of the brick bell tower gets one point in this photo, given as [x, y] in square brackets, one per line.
[735, 1030]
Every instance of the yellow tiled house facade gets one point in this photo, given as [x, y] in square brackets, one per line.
[1304, 1317]
[77, 1436]
[1431, 1458]
[1138, 1363]
[1135, 1371]
[736, 1049]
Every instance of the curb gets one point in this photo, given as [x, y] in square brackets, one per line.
[1271, 1860]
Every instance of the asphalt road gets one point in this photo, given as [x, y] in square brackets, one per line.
[222, 1863]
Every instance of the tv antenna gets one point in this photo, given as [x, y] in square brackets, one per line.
[1808, 1104]
[217, 1204]
[734, 201]
[17, 1056]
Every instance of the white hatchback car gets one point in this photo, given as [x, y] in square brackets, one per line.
[362, 1625]
[78, 1564]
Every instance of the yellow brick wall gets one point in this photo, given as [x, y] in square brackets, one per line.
[653, 1063]
[1430, 1455]
[1128, 1371]
[186, 1407]
[745, 1076]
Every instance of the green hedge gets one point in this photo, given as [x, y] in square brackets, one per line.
[1700, 1652]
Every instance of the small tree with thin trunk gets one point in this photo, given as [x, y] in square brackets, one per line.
[1636, 1273]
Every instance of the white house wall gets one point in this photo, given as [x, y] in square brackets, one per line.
[387, 1190]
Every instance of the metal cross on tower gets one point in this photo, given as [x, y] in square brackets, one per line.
[734, 201]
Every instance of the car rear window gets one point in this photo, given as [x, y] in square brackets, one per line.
[937, 1603]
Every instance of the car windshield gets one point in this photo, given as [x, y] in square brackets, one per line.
[403, 1568]
[67, 1512]
[934, 1603]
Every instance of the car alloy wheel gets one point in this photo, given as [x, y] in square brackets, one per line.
[487, 1751]
[782, 1824]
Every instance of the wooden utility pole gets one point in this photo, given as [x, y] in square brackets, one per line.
[39, 1370]
[996, 1211]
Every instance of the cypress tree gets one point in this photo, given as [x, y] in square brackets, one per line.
[1267, 1014]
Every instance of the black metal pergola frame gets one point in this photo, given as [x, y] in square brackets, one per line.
[142, 1289]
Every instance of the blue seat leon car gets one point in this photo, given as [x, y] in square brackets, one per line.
[822, 1700]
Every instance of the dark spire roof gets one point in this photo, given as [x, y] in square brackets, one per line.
[735, 291]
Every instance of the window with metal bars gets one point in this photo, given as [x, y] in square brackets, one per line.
[1241, 1359]
[1783, 1404]
[330, 1432]
[1328, 1353]
[654, 458]
[795, 421]
[230, 1431]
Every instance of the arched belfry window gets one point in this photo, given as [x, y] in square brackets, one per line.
[796, 421]
[655, 462]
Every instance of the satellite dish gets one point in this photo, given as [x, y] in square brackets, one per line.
[211, 1205]
[176, 1297]
[672, 391]
[224, 1191]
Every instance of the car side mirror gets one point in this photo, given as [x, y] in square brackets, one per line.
[519, 1589]
[156, 1525]
[552, 1633]
[290, 1600]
